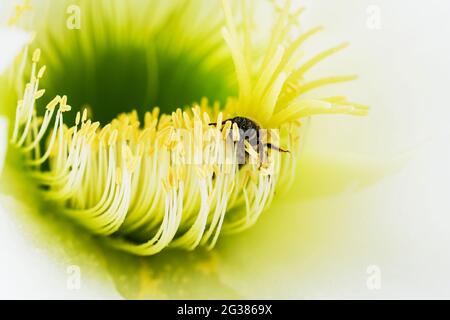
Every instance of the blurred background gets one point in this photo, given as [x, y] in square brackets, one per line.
[368, 216]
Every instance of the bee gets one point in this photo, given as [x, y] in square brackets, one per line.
[250, 132]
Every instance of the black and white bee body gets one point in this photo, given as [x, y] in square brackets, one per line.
[250, 131]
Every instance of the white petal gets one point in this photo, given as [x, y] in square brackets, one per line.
[3, 141]
[12, 40]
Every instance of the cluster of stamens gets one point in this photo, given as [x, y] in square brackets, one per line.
[181, 179]
[171, 179]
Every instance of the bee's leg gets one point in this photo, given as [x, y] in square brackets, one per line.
[262, 154]
[223, 122]
[274, 147]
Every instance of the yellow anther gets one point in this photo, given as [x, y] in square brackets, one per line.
[85, 114]
[155, 112]
[77, 118]
[39, 94]
[124, 119]
[63, 102]
[86, 125]
[65, 108]
[36, 55]
[52, 104]
[134, 117]
[226, 129]
[147, 120]
[41, 72]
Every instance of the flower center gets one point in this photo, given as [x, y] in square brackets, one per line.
[132, 180]
[111, 72]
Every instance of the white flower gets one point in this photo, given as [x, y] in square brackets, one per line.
[321, 232]
[3, 141]
[12, 41]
